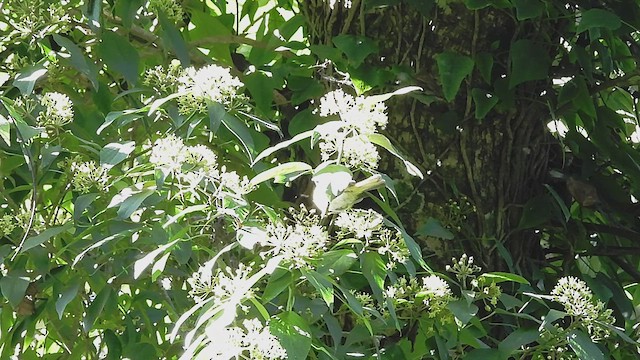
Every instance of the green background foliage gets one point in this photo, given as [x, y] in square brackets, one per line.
[511, 146]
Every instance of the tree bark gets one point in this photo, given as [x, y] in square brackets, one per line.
[480, 173]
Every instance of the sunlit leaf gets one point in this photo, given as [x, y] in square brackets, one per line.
[293, 332]
[112, 154]
[281, 171]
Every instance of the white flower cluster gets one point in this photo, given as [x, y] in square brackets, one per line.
[256, 342]
[299, 241]
[358, 117]
[220, 286]
[409, 298]
[577, 300]
[163, 81]
[362, 223]
[36, 19]
[367, 225]
[58, 110]
[209, 84]
[87, 176]
[192, 164]
[463, 268]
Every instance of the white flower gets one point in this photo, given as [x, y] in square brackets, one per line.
[436, 286]
[360, 152]
[168, 152]
[202, 157]
[58, 109]
[261, 343]
[211, 83]
[232, 181]
[223, 344]
[234, 342]
[88, 175]
[360, 114]
[297, 243]
[221, 286]
[362, 223]
[577, 300]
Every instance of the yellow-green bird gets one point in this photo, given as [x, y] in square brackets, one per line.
[355, 192]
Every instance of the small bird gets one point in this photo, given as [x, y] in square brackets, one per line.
[584, 193]
[354, 193]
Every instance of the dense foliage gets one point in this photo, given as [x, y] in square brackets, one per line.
[201, 179]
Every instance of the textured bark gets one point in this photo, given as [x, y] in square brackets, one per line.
[481, 173]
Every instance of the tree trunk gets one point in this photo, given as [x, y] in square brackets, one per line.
[480, 172]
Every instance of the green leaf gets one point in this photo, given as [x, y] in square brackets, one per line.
[595, 18]
[281, 171]
[484, 64]
[13, 287]
[78, 60]
[322, 284]
[374, 99]
[583, 346]
[356, 48]
[536, 212]
[112, 154]
[528, 9]
[282, 145]
[66, 296]
[278, 282]
[216, 113]
[383, 141]
[375, 271]
[113, 345]
[25, 81]
[128, 115]
[82, 203]
[172, 36]
[336, 262]
[44, 236]
[434, 228]
[463, 310]
[158, 267]
[5, 130]
[132, 203]
[94, 310]
[529, 61]
[484, 100]
[119, 55]
[293, 332]
[551, 317]
[453, 68]
[483, 354]
[240, 131]
[128, 200]
[517, 339]
[93, 12]
[476, 4]
[141, 264]
[498, 277]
